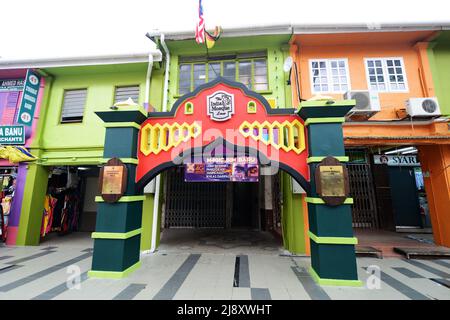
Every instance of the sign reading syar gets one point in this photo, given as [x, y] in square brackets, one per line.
[396, 160]
[29, 98]
[12, 135]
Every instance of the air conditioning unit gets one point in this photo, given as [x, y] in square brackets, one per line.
[423, 107]
[366, 101]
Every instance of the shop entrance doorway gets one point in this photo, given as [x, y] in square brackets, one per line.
[214, 216]
[194, 205]
[69, 205]
[245, 205]
[222, 205]
[405, 197]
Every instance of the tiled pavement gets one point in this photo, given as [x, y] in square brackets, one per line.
[42, 273]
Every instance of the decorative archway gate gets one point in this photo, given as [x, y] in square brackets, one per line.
[222, 119]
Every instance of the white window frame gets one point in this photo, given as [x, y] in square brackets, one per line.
[329, 75]
[386, 74]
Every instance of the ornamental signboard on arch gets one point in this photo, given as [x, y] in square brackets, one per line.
[222, 118]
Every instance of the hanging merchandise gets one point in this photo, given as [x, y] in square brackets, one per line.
[2, 223]
[72, 179]
[70, 213]
[5, 183]
[62, 203]
[7, 195]
[5, 210]
[47, 219]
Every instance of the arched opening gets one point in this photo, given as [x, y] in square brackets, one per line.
[234, 214]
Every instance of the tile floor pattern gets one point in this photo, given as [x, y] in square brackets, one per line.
[42, 273]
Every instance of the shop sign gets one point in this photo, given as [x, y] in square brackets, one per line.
[113, 180]
[12, 135]
[238, 169]
[29, 98]
[392, 160]
[331, 178]
[220, 105]
[11, 85]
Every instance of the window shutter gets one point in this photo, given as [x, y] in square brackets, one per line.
[73, 105]
[123, 93]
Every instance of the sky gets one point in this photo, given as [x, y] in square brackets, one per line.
[52, 28]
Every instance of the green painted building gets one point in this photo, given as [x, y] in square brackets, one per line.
[69, 134]
[439, 56]
[70, 138]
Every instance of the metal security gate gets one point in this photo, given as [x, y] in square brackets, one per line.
[194, 204]
[362, 191]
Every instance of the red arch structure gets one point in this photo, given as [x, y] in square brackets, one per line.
[224, 118]
[222, 115]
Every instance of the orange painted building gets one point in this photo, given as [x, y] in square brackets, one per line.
[396, 65]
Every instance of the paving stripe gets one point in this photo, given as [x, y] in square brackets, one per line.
[49, 248]
[408, 273]
[443, 282]
[237, 264]
[9, 268]
[441, 263]
[171, 287]
[402, 288]
[130, 292]
[34, 256]
[428, 268]
[314, 291]
[241, 272]
[6, 257]
[55, 291]
[260, 294]
[43, 273]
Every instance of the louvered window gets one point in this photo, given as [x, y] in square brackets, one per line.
[73, 105]
[123, 93]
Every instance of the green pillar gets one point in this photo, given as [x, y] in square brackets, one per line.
[333, 260]
[28, 233]
[292, 218]
[117, 236]
[147, 222]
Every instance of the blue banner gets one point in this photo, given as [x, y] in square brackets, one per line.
[241, 169]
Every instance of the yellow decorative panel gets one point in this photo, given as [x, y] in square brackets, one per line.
[272, 102]
[156, 138]
[288, 135]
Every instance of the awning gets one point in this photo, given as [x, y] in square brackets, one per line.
[15, 154]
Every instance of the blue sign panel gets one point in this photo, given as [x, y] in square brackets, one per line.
[29, 98]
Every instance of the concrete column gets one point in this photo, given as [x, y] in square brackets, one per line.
[435, 162]
[117, 236]
[293, 218]
[28, 233]
[16, 206]
[333, 260]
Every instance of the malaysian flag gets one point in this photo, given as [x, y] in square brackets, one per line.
[200, 28]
